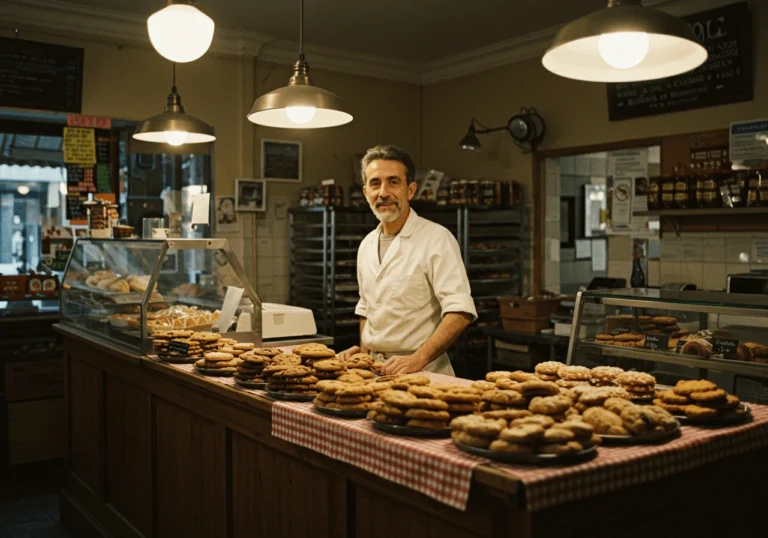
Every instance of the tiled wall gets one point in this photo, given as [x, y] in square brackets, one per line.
[273, 251]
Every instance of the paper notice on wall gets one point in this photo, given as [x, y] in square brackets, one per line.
[628, 163]
[200, 208]
[599, 255]
[760, 249]
[229, 308]
[621, 210]
[79, 145]
[748, 141]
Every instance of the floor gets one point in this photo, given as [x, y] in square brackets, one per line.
[29, 506]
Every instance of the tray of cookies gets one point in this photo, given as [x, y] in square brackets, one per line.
[702, 402]
[345, 400]
[292, 382]
[259, 385]
[619, 420]
[525, 437]
[411, 408]
[216, 363]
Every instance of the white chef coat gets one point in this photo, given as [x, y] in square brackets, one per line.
[405, 296]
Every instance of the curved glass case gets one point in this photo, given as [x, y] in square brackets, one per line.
[123, 291]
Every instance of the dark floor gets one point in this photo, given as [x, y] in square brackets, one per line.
[29, 504]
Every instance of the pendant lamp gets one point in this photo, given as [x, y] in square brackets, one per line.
[622, 43]
[174, 126]
[180, 32]
[300, 105]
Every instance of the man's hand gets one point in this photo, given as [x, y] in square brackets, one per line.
[403, 364]
[349, 352]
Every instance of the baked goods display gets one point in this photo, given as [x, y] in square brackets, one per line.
[415, 411]
[530, 437]
[703, 402]
[180, 317]
[183, 349]
[217, 363]
[292, 383]
[250, 370]
[351, 400]
[639, 385]
[617, 419]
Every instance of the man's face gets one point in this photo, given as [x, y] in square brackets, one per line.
[387, 189]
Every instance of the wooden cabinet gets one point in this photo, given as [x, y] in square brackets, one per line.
[35, 431]
[34, 379]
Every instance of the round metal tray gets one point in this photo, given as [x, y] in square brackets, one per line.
[341, 413]
[718, 421]
[249, 385]
[290, 396]
[178, 360]
[539, 459]
[655, 437]
[410, 431]
[215, 372]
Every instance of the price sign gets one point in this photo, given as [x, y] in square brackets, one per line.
[725, 346]
[616, 332]
[657, 342]
[176, 347]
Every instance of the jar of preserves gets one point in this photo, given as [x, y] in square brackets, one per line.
[707, 192]
[683, 192]
[455, 188]
[473, 192]
[443, 194]
[654, 192]
[463, 191]
[304, 196]
[667, 192]
[754, 184]
[487, 193]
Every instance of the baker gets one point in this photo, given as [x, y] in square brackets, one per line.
[415, 298]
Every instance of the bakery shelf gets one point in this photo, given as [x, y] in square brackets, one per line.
[714, 212]
[737, 219]
[494, 280]
[670, 357]
[499, 265]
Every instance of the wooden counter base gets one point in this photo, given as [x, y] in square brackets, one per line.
[156, 452]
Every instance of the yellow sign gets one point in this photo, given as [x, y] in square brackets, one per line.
[79, 145]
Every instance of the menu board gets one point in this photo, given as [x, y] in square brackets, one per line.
[726, 76]
[40, 75]
[79, 145]
[80, 178]
[76, 209]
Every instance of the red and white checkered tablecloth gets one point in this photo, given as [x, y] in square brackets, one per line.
[438, 469]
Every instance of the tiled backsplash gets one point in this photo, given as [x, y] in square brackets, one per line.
[704, 259]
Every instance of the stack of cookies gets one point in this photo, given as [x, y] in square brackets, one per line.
[518, 376]
[499, 399]
[618, 416]
[664, 325]
[283, 361]
[418, 407]
[548, 371]
[251, 369]
[209, 341]
[558, 407]
[639, 385]
[630, 339]
[585, 397]
[223, 363]
[161, 339]
[573, 376]
[311, 353]
[328, 368]
[461, 399]
[699, 399]
[226, 342]
[605, 376]
[344, 396]
[529, 434]
[293, 380]
[362, 361]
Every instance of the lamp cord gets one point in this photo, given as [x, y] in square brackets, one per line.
[173, 86]
[301, 30]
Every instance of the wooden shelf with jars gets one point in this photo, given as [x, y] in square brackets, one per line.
[719, 219]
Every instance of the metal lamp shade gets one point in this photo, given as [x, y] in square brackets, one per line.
[269, 109]
[673, 48]
[152, 129]
[470, 141]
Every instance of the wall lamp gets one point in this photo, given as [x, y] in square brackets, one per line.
[526, 128]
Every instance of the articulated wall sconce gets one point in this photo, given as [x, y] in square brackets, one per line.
[526, 128]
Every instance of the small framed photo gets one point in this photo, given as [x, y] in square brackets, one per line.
[251, 195]
[281, 160]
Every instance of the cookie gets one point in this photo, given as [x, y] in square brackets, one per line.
[386, 409]
[329, 365]
[500, 445]
[403, 382]
[628, 337]
[472, 440]
[710, 396]
[506, 384]
[428, 403]
[385, 419]
[670, 397]
[605, 373]
[353, 399]
[428, 415]
[672, 408]
[293, 371]
[354, 389]
[557, 435]
[731, 402]
[479, 426]
[697, 411]
[421, 391]
[549, 368]
[664, 320]
[378, 386]
[427, 424]
[578, 427]
[543, 377]
[541, 420]
[568, 384]
[635, 420]
[218, 357]
[688, 387]
[604, 337]
[604, 421]
[460, 396]
[523, 433]
[492, 377]
[504, 397]
[349, 378]
[538, 388]
[398, 398]
[574, 373]
[659, 417]
[550, 405]
[635, 379]
[521, 376]
[461, 407]
[360, 360]
[286, 358]
[571, 447]
[598, 395]
[616, 405]
[365, 374]
[487, 385]
[507, 414]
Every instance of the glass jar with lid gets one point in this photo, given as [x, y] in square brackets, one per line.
[455, 192]
[667, 192]
[486, 192]
[654, 192]
[683, 191]
[463, 191]
[473, 192]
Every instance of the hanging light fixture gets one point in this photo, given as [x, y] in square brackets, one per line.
[174, 126]
[300, 105]
[180, 32]
[624, 42]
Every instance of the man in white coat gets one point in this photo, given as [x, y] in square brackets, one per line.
[415, 298]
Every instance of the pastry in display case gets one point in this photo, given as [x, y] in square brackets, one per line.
[718, 332]
[129, 292]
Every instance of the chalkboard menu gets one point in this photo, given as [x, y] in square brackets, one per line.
[80, 178]
[726, 76]
[76, 209]
[40, 75]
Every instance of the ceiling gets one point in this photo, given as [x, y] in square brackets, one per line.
[413, 30]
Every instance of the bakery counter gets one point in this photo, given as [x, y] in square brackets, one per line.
[157, 451]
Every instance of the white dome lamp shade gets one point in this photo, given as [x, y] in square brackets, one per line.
[180, 32]
[624, 42]
[300, 105]
[174, 126]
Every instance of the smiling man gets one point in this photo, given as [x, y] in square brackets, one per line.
[414, 292]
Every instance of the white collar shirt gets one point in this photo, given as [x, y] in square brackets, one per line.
[405, 295]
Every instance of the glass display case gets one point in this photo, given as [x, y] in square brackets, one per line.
[123, 291]
[717, 332]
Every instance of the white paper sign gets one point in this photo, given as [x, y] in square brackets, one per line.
[748, 141]
[621, 211]
[231, 302]
[200, 205]
[628, 162]
[760, 249]
[599, 255]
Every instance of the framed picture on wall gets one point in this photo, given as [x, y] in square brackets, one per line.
[281, 160]
[251, 195]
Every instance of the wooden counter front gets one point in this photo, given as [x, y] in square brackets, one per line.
[155, 452]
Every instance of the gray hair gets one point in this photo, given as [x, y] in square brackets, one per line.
[389, 153]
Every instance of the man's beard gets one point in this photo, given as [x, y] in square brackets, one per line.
[389, 216]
